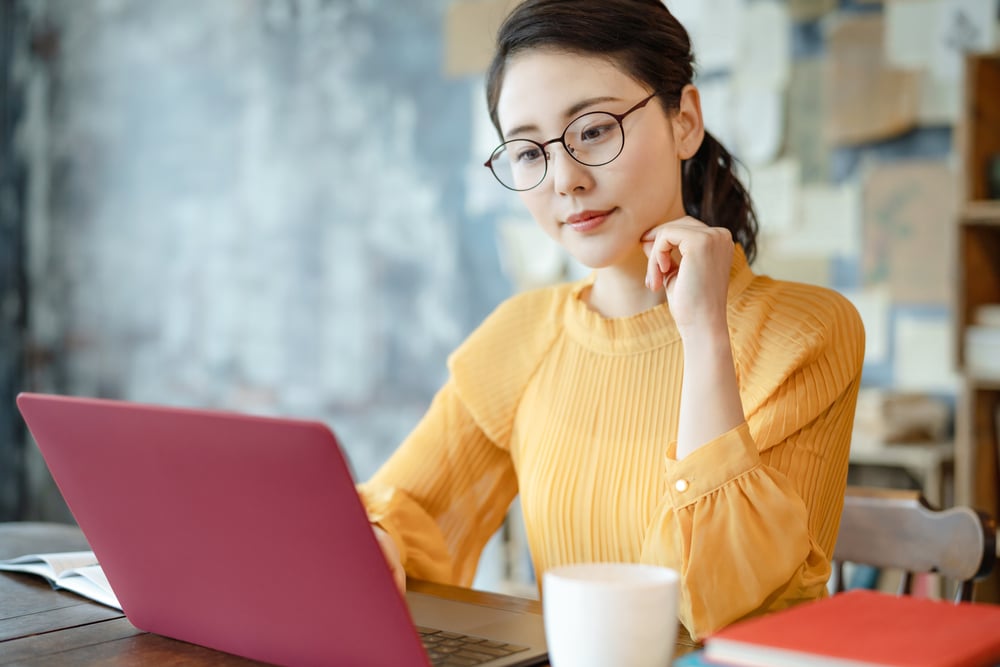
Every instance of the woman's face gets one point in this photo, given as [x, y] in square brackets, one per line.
[599, 213]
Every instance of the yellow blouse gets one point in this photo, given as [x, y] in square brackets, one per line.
[579, 413]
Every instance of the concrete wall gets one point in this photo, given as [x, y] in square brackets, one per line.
[256, 205]
[12, 278]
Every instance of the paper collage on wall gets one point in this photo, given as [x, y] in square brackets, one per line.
[825, 108]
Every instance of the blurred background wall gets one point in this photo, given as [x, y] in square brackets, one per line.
[279, 206]
[256, 205]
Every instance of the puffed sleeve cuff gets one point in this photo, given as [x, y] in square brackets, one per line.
[712, 465]
[377, 503]
[408, 526]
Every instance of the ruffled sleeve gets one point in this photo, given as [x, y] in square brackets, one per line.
[750, 518]
[448, 487]
[492, 368]
[443, 493]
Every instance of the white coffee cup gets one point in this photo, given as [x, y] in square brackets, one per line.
[610, 614]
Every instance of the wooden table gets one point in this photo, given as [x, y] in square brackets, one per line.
[40, 626]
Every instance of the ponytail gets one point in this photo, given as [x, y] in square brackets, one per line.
[714, 195]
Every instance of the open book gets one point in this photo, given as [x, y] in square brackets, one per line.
[75, 571]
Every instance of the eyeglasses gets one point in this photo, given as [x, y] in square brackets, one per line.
[593, 139]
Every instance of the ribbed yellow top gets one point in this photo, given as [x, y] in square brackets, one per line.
[580, 413]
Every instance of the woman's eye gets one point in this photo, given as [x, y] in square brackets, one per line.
[528, 155]
[596, 132]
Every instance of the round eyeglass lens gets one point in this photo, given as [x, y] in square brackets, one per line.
[519, 164]
[594, 139]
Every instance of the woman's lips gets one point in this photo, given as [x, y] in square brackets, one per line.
[586, 221]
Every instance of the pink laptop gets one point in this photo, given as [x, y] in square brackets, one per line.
[245, 534]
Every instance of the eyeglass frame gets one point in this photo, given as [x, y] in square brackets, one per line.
[561, 139]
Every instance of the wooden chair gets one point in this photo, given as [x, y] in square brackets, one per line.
[890, 528]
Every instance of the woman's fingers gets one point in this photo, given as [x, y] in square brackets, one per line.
[668, 244]
[669, 258]
[391, 553]
[662, 245]
[687, 222]
[658, 265]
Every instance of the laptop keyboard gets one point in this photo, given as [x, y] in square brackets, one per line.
[450, 649]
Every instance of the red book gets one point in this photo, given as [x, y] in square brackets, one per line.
[862, 628]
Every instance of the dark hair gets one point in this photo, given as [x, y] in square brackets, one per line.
[649, 43]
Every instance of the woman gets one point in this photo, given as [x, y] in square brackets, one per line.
[672, 408]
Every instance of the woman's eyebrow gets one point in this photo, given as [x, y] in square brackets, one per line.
[583, 104]
[568, 114]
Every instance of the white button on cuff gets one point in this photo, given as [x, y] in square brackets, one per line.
[681, 485]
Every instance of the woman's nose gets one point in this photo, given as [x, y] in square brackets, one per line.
[568, 175]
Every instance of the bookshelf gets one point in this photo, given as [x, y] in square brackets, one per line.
[977, 468]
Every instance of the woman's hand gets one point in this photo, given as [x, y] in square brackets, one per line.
[692, 261]
[391, 553]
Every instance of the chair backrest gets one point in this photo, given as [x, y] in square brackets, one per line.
[890, 528]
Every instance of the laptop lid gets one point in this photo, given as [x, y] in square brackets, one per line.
[241, 533]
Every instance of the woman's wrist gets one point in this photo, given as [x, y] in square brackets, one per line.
[710, 399]
[709, 334]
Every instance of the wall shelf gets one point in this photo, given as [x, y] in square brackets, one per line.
[977, 282]
[983, 212]
[983, 384]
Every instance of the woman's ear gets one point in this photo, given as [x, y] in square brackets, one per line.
[689, 128]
